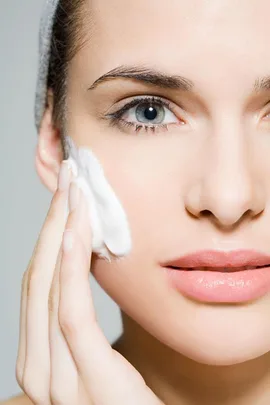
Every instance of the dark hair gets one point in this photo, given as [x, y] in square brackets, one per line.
[67, 39]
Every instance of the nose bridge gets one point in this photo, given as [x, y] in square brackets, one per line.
[228, 187]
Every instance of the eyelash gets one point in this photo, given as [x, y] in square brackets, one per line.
[116, 120]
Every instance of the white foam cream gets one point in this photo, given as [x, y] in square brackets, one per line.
[108, 221]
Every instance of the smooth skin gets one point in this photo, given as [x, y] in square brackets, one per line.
[204, 183]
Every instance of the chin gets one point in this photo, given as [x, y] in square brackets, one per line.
[219, 335]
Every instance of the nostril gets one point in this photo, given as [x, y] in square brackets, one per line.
[206, 213]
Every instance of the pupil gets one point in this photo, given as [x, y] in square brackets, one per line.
[150, 113]
[146, 112]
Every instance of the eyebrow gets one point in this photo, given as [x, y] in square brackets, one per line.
[160, 79]
[148, 76]
[262, 83]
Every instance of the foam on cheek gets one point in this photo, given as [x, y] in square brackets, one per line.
[108, 221]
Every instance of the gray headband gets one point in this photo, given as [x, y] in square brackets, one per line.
[45, 34]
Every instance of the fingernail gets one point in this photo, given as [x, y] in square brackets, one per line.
[74, 196]
[64, 176]
[68, 240]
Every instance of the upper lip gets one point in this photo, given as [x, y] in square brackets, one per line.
[216, 259]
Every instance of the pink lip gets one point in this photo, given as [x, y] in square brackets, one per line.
[224, 281]
[215, 258]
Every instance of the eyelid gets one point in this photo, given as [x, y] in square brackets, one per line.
[265, 107]
[145, 98]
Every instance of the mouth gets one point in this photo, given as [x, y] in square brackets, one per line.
[218, 269]
[220, 276]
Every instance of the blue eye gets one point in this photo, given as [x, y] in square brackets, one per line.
[145, 113]
[149, 113]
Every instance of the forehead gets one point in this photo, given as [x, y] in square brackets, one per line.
[184, 23]
[195, 38]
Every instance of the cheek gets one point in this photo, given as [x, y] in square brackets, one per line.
[134, 283]
[141, 197]
[121, 279]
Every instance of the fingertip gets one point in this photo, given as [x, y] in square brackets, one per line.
[64, 176]
[68, 241]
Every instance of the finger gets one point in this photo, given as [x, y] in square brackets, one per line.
[65, 384]
[64, 376]
[20, 363]
[36, 379]
[22, 334]
[109, 378]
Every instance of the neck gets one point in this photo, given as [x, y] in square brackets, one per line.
[176, 379]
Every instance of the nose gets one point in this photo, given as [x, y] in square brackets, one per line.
[227, 188]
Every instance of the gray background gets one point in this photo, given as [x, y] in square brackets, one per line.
[24, 201]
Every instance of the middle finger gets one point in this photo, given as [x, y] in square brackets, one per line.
[64, 375]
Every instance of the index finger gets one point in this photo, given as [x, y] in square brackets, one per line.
[37, 280]
[49, 240]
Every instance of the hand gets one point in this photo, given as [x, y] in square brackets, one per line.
[63, 356]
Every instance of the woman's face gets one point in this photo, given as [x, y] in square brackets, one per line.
[201, 178]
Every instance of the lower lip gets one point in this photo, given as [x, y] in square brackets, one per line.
[214, 286]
